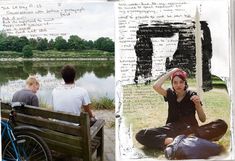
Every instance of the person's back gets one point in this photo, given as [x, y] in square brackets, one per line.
[69, 98]
[28, 94]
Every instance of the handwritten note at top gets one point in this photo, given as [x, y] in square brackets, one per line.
[133, 14]
[36, 19]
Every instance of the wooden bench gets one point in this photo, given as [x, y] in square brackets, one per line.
[65, 137]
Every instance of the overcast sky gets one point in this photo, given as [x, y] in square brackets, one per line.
[97, 20]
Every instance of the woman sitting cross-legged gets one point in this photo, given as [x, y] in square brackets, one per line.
[183, 104]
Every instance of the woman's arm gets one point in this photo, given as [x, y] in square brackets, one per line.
[200, 112]
[157, 86]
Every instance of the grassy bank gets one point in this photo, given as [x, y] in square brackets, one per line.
[103, 103]
[59, 54]
[144, 108]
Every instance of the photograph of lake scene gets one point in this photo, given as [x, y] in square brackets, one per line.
[39, 38]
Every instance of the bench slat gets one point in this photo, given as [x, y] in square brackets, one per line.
[96, 128]
[61, 137]
[95, 143]
[65, 148]
[45, 113]
[46, 123]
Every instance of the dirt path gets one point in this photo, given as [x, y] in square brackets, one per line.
[109, 133]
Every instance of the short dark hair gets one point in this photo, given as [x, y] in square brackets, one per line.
[68, 73]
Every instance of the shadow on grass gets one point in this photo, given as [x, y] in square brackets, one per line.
[153, 153]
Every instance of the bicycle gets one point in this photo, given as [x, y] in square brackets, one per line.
[21, 144]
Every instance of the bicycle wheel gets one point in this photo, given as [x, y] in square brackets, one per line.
[30, 148]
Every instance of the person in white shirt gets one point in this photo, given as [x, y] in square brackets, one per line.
[68, 97]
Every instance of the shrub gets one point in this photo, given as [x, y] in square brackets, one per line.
[103, 103]
[27, 51]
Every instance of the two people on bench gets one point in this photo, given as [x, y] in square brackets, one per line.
[66, 98]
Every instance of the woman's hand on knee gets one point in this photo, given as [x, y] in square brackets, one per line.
[168, 140]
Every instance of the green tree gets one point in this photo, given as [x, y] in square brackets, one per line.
[109, 46]
[27, 51]
[51, 44]
[33, 43]
[11, 43]
[60, 43]
[88, 44]
[75, 43]
[104, 43]
[3, 37]
[3, 34]
[42, 44]
[2, 45]
[21, 42]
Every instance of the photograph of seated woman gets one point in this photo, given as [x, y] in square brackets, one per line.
[183, 105]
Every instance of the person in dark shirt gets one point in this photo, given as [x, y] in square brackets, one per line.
[183, 104]
[28, 94]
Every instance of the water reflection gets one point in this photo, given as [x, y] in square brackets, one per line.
[95, 76]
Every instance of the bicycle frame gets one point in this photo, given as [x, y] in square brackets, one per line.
[20, 144]
[7, 133]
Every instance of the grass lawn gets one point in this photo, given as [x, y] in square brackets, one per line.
[60, 54]
[144, 108]
[71, 54]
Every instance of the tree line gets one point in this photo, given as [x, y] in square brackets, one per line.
[74, 43]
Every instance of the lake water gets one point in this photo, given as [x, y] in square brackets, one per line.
[95, 76]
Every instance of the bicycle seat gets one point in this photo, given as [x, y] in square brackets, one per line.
[17, 105]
